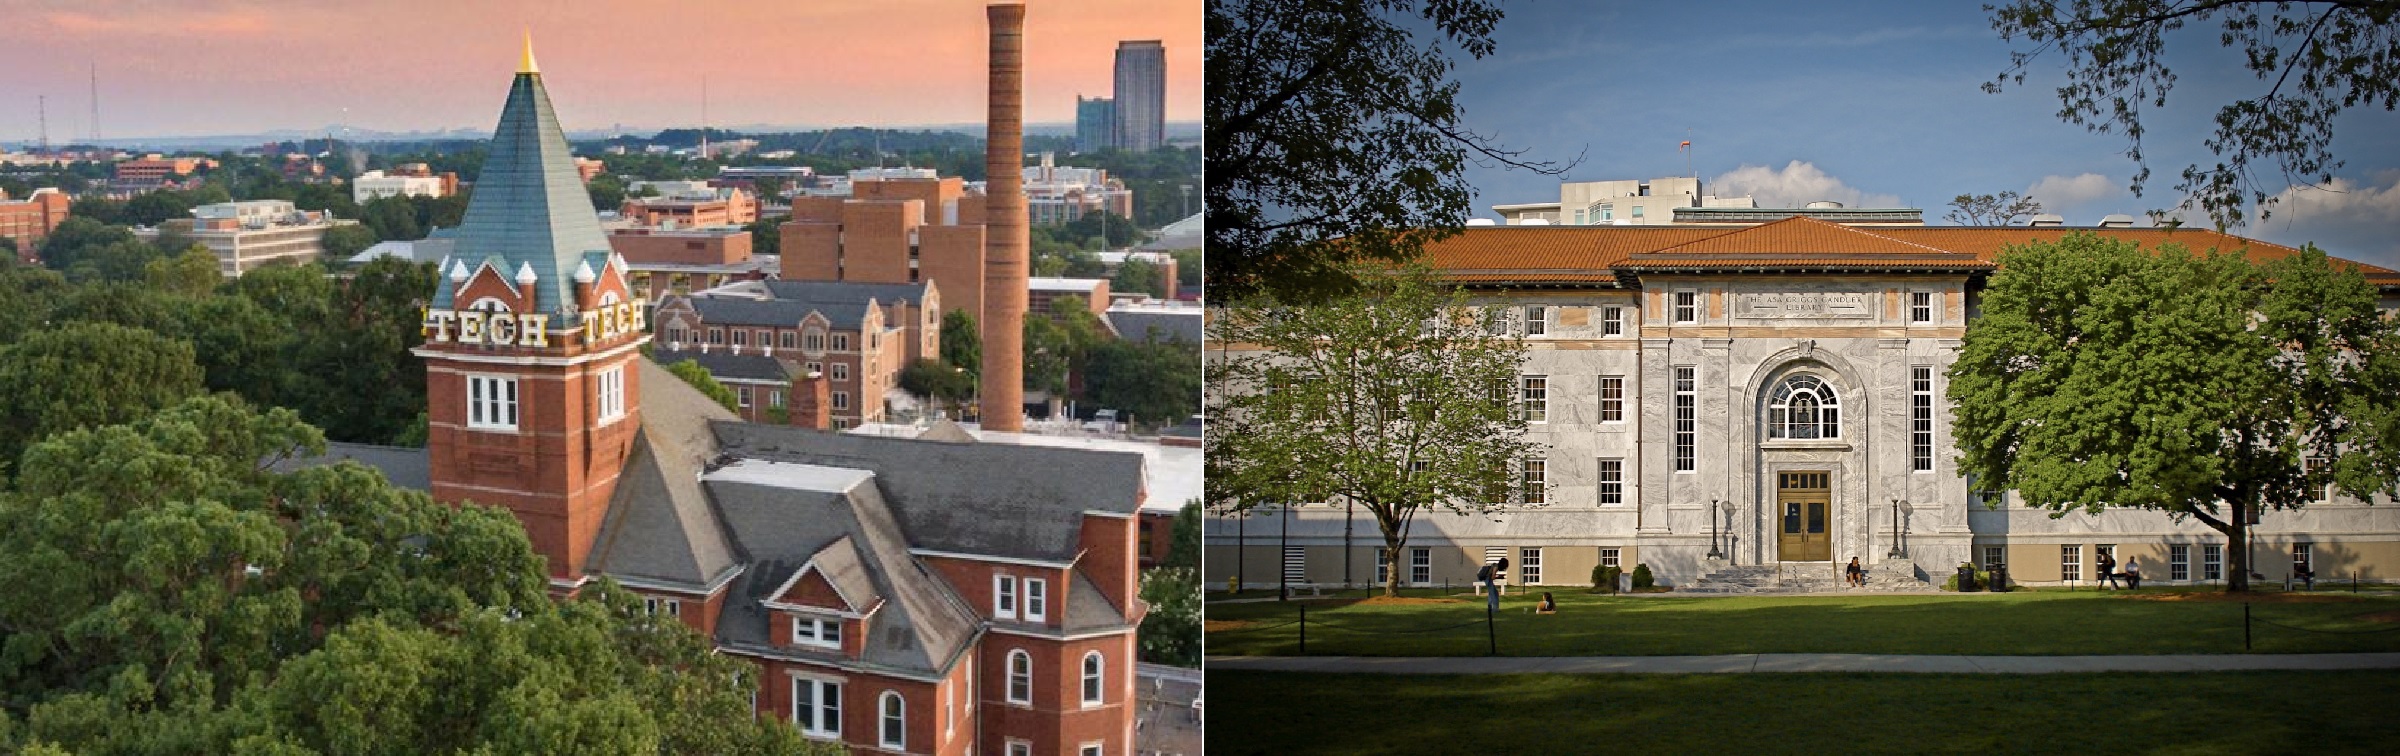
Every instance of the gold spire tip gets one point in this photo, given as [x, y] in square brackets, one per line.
[526, 65]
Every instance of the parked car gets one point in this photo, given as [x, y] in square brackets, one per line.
[1103, 421]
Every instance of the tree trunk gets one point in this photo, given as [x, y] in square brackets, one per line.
[2237, 549]
[1392, 568]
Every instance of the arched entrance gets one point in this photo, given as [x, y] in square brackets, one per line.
[1804, 499]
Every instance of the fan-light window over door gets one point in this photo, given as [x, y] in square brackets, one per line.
[1803, 407]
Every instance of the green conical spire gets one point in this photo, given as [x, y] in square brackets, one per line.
[530, 209]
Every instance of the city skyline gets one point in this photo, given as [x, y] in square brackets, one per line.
[239, 66]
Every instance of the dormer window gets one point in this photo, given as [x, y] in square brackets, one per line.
[814, 340]
[817, 631]
[1004, 597]
[1037, 599]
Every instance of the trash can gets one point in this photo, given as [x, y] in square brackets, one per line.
[1999, 579]
[1966, 578]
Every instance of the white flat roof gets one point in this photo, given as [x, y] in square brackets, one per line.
[791, 475]
[1172, 474]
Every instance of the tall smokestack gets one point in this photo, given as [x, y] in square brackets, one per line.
[1005, 240]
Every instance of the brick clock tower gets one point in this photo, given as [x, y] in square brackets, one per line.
[531, 343]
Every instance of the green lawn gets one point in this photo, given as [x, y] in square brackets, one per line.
[2022, 623]
[2111, 714]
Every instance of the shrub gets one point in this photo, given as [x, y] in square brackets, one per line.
[1642, 578]
[1604, 578]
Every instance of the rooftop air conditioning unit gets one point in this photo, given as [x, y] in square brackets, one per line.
[1533, 221]
[1481, 222]
[2046, 219]
[2116, 220]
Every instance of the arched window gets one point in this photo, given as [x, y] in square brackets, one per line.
[1803, 407]
[1020, 677]
[895, 721]
[1091, 679]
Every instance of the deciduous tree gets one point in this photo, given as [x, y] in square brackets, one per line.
[86, 374]
[2003, 209]
[1396, 399]
[2198, 385]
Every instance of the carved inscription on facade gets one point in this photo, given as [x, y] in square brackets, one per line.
[1802, 304]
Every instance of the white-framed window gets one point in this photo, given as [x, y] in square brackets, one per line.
[1687, 307]
[716, 335]
[1612, 321]
[894, 733]
[950, 708]
[791, 340]
[1037, 599]
[2179, 561]
[1803, 407]
[1920, 418]
[674, 334]
[1637, 210]
[1995, 557]
[1019, 748]
[1092, 690]
[2070, 562]
[1491, 558]
[2106, 551]
[741, 337]
[1612, 482]
[1537, 320]
[1020, 677]
[841, 371]
[817, 631]
[841, 342]
[817, 707]
[1090, 749]
[1530, 475]
[1383, 565]
[1004, 596]
[2313, 467]
[813, 340]
[654, 605]
[491, 402]
[1920, 307]
[1529, 565]
[1687, 421]
[1420, 565]
[1533, 398]
[610, 392]
[775, 398]
[1579, 215]
[2301, 561]
[742, 395]
[1612, 398]
[1610, 558]
[766, 338]
[816, 367]
[1295, 565]
[2212, 561]
[841, 400]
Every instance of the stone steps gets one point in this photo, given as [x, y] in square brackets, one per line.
[1885, 577]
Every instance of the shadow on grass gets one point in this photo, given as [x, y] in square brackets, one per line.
[1277, 712]
[2007, 624]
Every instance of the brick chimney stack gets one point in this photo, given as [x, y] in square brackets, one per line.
[812, 402]
[1005, 232]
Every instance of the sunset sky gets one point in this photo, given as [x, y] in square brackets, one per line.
[195, 67]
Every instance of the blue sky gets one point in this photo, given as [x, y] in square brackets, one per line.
[1870, 104]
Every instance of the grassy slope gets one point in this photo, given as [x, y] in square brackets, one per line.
[2028, 623]
[2114, 714]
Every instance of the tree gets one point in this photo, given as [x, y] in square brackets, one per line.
[391, 218]
[766, 235]
[2104, 375]
[1156, 383]
[691, 372]
[345, 241]
[1171, 632]
[2003, 209]
[962, 342]
[192, 273]
[1188, 267]
[935, 380]
[1138, 275]
[65, 246]
[1333, 121]
[1394, 399]
[172, 592]
[2344, 54]
[1183, 544]
[86, 374]
[608, 192]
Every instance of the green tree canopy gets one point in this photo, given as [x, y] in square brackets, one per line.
[1156, 383]
[193, 273]
[2199, 385]
[87, 374]
[962, 341]
[2312, 61]
[1396, 399]
[691, 372]
[1138, 275]
[1171, 632]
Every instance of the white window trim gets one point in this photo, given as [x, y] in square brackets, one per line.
[484, 412]
[1091, 748]
[1037, 600]
[1600, 482]
[1095, 679]
[1601, 387]
[1675, 306]
[610, 394]
[1004, 597]
[1933, 307]
[884, 717]
[817, 699]
[1612, 316]
[817, 631]
[1010, 692]
[1017, 747]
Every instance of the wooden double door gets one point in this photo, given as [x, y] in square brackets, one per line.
[1805, 502]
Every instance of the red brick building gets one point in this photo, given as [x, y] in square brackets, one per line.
[899, 596]
[30, 220]
[861, 336]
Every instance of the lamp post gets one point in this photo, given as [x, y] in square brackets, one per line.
[1897, 550]
[1714, 553]
[1729, 551]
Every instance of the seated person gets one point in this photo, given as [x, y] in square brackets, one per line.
[1548, 605]
[1854, 574]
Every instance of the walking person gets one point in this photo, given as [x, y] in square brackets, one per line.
[2108, 570]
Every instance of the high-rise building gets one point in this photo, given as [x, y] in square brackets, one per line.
[1095, 123]
[1141, 102]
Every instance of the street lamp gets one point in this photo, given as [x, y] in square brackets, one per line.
[1898, 550]
[1729, 550]
[1714, 553]
[1187, 200]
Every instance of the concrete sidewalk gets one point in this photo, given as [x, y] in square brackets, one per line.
[1752, 663]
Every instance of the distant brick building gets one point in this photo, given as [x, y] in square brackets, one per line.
[699, 206]
[30, 220]
[899, 230]
[859, 335]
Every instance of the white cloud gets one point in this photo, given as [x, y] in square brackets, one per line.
[1794, 185]
[2346, 218]
[2060, 192]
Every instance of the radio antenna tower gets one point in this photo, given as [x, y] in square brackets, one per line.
[43, 104]
[703, 117]
[95, 104]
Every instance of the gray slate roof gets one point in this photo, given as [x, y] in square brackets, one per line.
[751, 365]
[846, 291]
[776, 312]
[404, 467]
[530, 206]
[1002, 500]
[660, 526]
[922, 627]
[1171, 326]
[844, 569]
